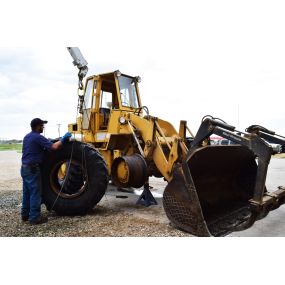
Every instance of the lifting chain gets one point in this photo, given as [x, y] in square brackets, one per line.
[81, 74]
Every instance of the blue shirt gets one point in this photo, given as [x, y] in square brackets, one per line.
[34, 145]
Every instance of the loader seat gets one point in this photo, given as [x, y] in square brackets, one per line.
[105, 114]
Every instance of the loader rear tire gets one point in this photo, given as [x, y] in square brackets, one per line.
[84, 184]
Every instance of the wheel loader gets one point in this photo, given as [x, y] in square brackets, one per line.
[212, 190]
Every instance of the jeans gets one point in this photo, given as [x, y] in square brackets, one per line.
[31, 203]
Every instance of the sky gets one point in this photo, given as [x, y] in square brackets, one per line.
[216, 58]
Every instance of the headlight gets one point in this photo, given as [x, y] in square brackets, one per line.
[122, 120]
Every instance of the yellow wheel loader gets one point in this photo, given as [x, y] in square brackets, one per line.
[212, 190]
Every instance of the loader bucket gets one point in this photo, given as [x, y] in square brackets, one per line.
[209, 193]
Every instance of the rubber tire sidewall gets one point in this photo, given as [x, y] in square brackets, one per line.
[95, 188]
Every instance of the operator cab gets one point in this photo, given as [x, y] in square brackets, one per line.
[107, 93]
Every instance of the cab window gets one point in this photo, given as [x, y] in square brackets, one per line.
[128, 92]
[91, 85]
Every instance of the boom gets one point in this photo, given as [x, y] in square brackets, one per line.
[79, 61]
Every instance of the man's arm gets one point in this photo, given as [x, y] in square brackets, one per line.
[46, 144]
[56, 145]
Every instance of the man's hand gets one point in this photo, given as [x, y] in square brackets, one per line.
[66, 137]
[58, 144]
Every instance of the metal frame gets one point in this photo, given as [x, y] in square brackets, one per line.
[262, 201]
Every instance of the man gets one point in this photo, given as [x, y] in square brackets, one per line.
[34, 145]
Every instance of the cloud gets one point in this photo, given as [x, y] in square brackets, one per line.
[225, 59]
[30, 87]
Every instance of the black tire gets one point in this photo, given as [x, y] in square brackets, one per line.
[74, 179]
[84, 184]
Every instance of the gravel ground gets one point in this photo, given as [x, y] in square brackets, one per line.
[112, 217]
[104, 220]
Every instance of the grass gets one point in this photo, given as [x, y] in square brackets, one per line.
[280, 155]
[13, 146]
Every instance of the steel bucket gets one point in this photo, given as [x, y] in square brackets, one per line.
[209, 193]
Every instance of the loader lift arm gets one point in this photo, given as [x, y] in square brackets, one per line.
[262, 201]
[220, 189]
[268, 135]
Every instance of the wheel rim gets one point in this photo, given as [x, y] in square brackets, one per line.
[61, 173]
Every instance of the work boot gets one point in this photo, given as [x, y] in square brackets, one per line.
[40, 220]
[25, 218]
